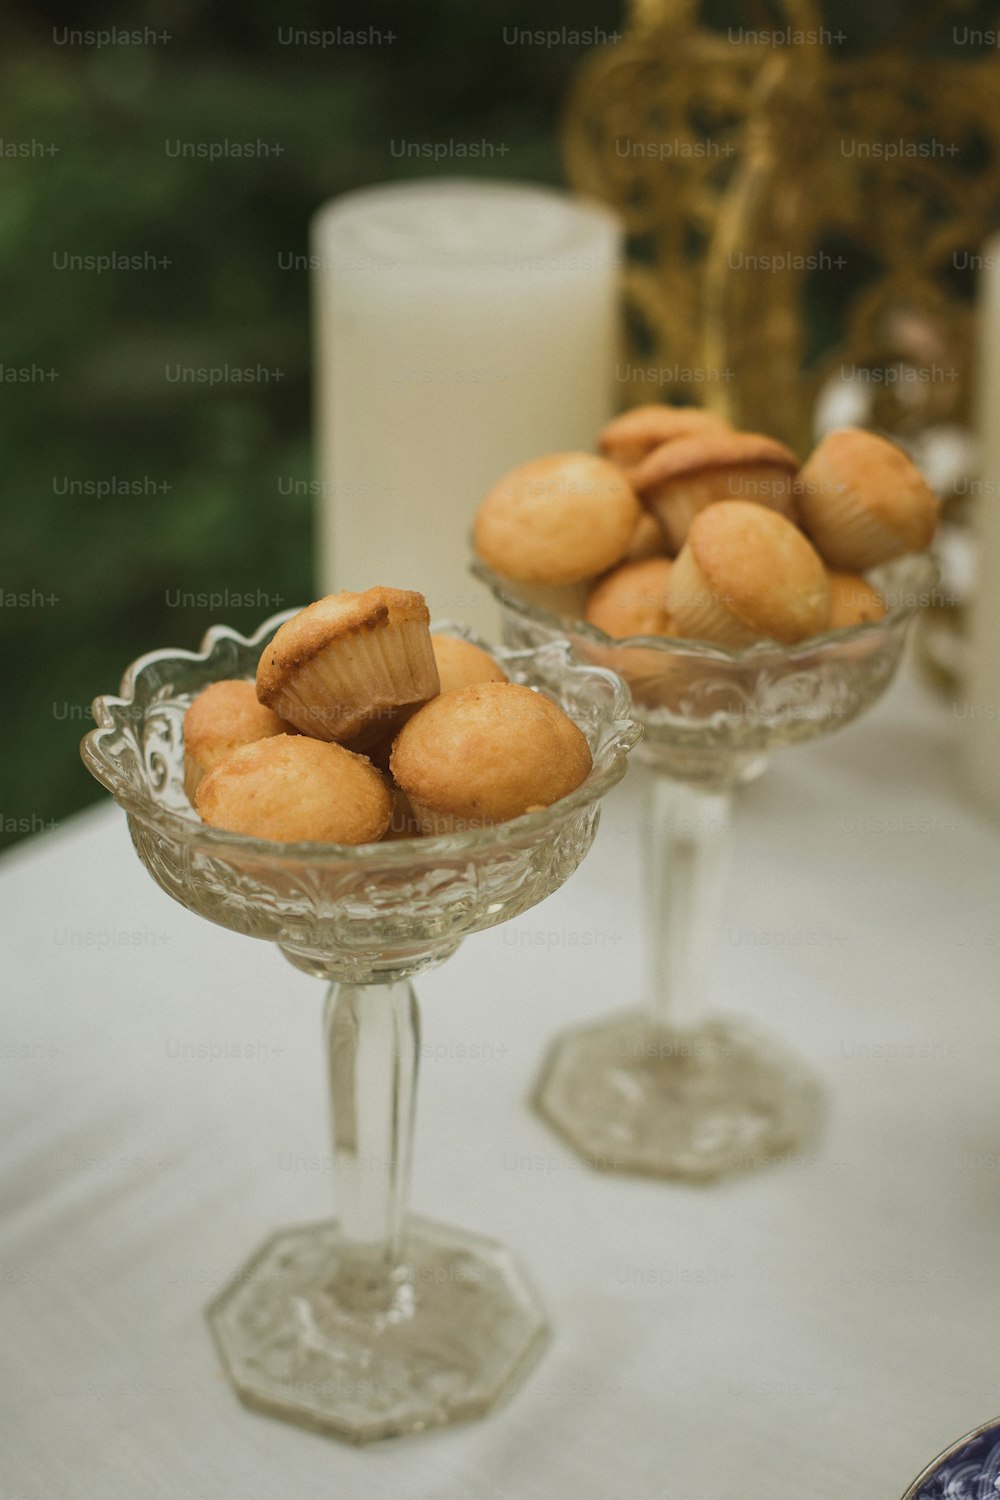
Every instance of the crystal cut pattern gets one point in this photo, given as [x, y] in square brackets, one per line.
[378, 1323]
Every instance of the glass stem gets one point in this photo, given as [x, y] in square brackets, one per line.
[688, 838]
[372, 1041]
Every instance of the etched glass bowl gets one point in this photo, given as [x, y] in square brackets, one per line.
[671, 1090]
[378, 1323]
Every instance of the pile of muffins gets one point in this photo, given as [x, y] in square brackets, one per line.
[682, 526]
[362, 725]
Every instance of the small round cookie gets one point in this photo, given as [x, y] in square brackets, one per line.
[746, 573]
[633, 600]
[487, 753]
[290, 788]
[853, 601]
[627, 438]
[558, 519]
[351, 666]
[460, 663]
[863, 501]
[223, 716]
[677, 480]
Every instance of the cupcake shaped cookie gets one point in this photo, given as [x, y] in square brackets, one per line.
[223, 717]
[853, 601]
[863, 502]
[677, 480]
[485, 754]
[557, 520]
[290, 787]
[461, 664]
[632, 600]
[746, 573]
[627, 439]
[351, 666]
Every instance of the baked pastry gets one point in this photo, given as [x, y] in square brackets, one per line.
[460, 663]
[746, 572]
[627, 438]
[863, 501]
[678, 479]
[632, 600]
[351, 666]
[853, 601]
[224, 716]
[558, 519]
[487, 753]
[290, 787]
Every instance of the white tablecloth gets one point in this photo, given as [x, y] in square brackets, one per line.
[819, 1330]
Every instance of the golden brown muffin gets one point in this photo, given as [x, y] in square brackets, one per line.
[853, 601]
[627, 438]
[677, 480]
[558, 519]
[225, 715]
[487, 753]
[351, 666]
[863, 502]
[633, 600]
[460, 663]
[290, 787]
[745, 572]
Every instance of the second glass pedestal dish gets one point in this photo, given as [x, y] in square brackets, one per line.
[669, 1089]
[378, 1323]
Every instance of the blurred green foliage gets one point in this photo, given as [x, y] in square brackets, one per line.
[210, 464]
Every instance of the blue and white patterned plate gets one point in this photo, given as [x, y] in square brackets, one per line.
[968, 1470]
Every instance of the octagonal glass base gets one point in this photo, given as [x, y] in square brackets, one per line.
[303, 1337]
[632, 1095]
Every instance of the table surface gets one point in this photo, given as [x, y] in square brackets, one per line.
[820, 1329]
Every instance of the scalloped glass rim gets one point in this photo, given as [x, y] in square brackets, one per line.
[610, 762]
[914, 575]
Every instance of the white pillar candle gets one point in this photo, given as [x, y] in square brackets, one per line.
[980, 710]
[461, 328]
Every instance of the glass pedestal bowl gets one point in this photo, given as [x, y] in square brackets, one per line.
[671, 1090]
[378, 1323]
